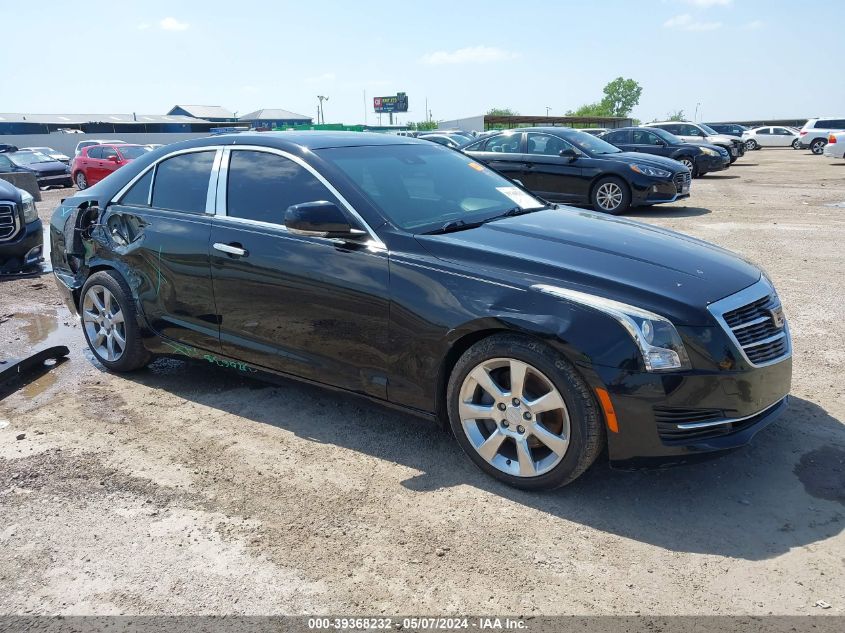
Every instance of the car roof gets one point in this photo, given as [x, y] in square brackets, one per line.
[309, 140]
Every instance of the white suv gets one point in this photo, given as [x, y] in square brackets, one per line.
[815, 132]
[94, 141]
[690, 132]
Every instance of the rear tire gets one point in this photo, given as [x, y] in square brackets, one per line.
[817, 146]
[80, 180]
[751, 145]
[611, 195]
[110, 322]
[556, 444]
[796, 144]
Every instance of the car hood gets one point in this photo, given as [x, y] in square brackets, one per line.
[52, 165]
[666, 272]
[645, 159]
[723, 138]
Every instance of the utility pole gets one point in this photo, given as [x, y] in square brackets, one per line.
[365, 106]
[695, 117]
[320, 111]
[547, 110]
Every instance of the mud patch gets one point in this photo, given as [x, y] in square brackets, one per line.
[822, 472]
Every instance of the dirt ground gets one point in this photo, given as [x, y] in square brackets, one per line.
[188, 489]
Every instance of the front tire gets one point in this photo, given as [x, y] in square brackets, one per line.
[817, 146]
[110, 322]
[522, 414]
[689, 163]
[81, 181]
[611, 195]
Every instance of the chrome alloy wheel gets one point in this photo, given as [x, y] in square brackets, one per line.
[104, 323]
[609, 196]
[514, 417]
[686, 162]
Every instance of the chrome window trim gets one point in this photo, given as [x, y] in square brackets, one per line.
[154, 166]
[754, 292]
[703, 425]
[221, 211]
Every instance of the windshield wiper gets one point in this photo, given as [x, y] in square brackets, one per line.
[455, 225]
[462, 225]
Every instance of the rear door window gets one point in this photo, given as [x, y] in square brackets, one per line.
[181, 183]
[504, 143]
[139, 193]
[95, 152]
[622, 136]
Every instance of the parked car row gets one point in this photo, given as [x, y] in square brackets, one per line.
[699, 158]
[565, 165]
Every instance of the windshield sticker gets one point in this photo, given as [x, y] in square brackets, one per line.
[476, 166]
[521, 198]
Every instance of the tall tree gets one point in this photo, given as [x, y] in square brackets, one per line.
[677, 115]
[621, 95]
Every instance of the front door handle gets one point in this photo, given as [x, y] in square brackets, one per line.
[230, 249]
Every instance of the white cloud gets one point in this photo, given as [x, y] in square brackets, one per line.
[755, 25]
[469, 55]
[143, 26]
[320, 78]
[685, 22]
[706, 4]
[172, 24]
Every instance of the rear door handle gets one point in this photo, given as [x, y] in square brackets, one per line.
[230, 249]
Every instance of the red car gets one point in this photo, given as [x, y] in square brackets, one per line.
[95, 162]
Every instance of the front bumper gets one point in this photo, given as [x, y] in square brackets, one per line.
[60, 180]
[24, 251]
[706, 164]
[648, 191]
[667, 419]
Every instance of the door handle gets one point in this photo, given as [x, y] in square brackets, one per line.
[231, 249]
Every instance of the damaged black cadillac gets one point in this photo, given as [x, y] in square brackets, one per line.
[412, 275]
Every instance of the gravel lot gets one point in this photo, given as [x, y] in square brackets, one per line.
[188, 489]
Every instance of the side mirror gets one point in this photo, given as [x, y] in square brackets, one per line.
[114, 159]
[569, 153]
[320, 219]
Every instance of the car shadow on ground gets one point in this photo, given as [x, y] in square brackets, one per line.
[667, 212]
[717, 176]
[783, 491]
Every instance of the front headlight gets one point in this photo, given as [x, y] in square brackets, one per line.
[645, 170]
[30, 213]
[659, 342]
[709, 152]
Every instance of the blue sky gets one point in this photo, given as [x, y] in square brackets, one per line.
[739, 59]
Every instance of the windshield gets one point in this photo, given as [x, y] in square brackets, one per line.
[591, 144]
[29, 158]
[132, 152]
[43, 150]
[666, 136]
[707, 128]
[420, 188]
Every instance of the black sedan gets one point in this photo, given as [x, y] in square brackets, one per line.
[698, 158]
[565, 165]
[412, 275]
[47, 171]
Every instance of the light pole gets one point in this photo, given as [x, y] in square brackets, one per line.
[695, 118]
[547, 110]
[320, 111]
